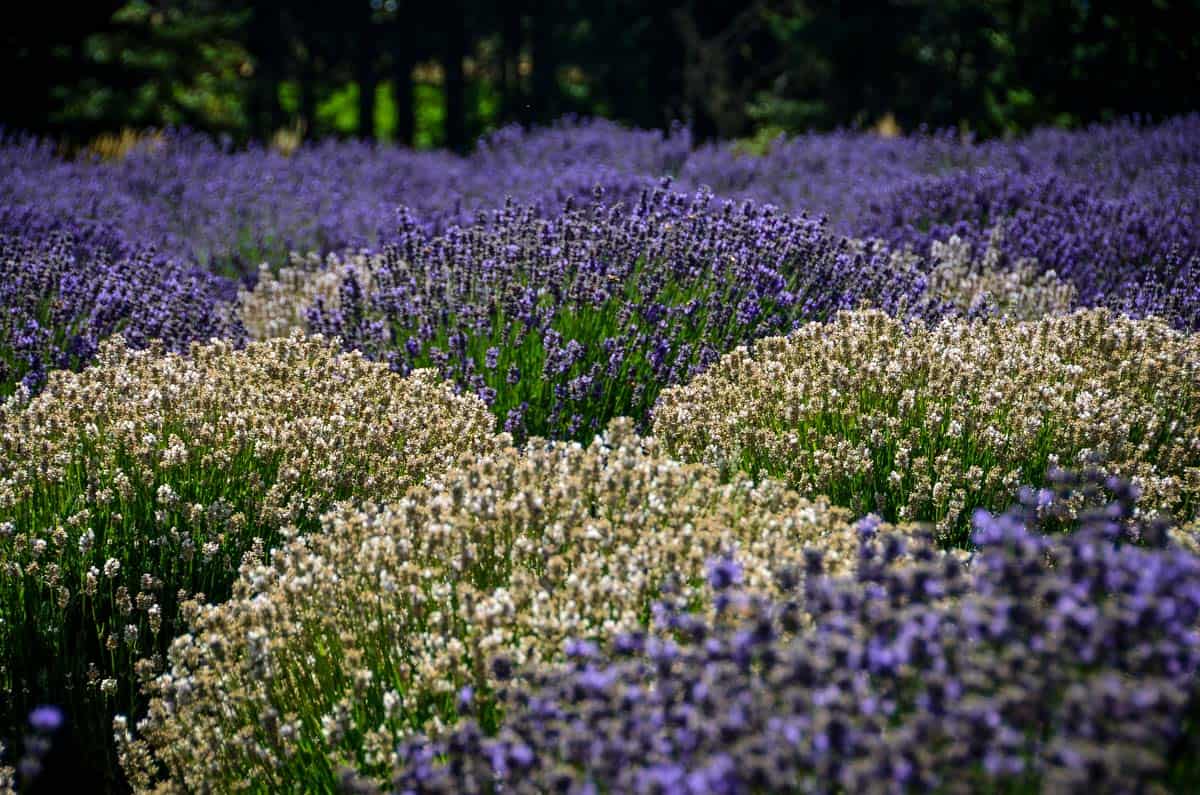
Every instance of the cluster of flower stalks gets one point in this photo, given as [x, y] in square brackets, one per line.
[1114, 209]
[925, 422]
[230, 210]
[346, 641]
[129, 493]
[64, 287]
[980, 283]
[279, 304]
[561, 324]
[845, 174]
[1063, 663]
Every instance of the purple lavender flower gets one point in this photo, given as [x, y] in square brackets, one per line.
[46, 719]
[724, 573]
[1128, 251]
[198, 202]
[466, 700]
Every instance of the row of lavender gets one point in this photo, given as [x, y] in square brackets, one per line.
[1111, 212]
[165, 555]
[192, 199]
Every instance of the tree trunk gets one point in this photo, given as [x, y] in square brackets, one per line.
[403, 61]
[545, 67]
[365, 75]
[308, 94]
[266, 45]
[455, 82]
[510, 35]
[402, 97]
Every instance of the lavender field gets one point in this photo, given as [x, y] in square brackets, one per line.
[601, 460]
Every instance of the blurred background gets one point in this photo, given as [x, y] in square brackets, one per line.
[439, 74]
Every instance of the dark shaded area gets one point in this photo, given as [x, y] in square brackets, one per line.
[455, 69]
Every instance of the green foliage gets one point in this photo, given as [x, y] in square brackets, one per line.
[995, 68]
[160, 66]
[727, 68]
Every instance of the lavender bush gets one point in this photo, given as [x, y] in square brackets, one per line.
[927, 423]
[63, 288]
[1050, 663]
[346, 641]
[130, 491]
[563, 323]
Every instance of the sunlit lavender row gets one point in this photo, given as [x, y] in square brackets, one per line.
[598, 461]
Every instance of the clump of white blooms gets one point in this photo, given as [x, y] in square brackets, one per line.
[278, 304]
[139, 483]
[1187, 536]
[926, 423]
[343, 642]
[8, 775]
[293, 419]
[983, 285]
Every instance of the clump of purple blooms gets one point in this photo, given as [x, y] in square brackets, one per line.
[841, 173]
[64, 287]
[561, 323]
[1113, 208]
[44, 722]
[196, 199]
[1049, 662]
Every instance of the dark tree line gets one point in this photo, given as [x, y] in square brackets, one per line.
[248, 69]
